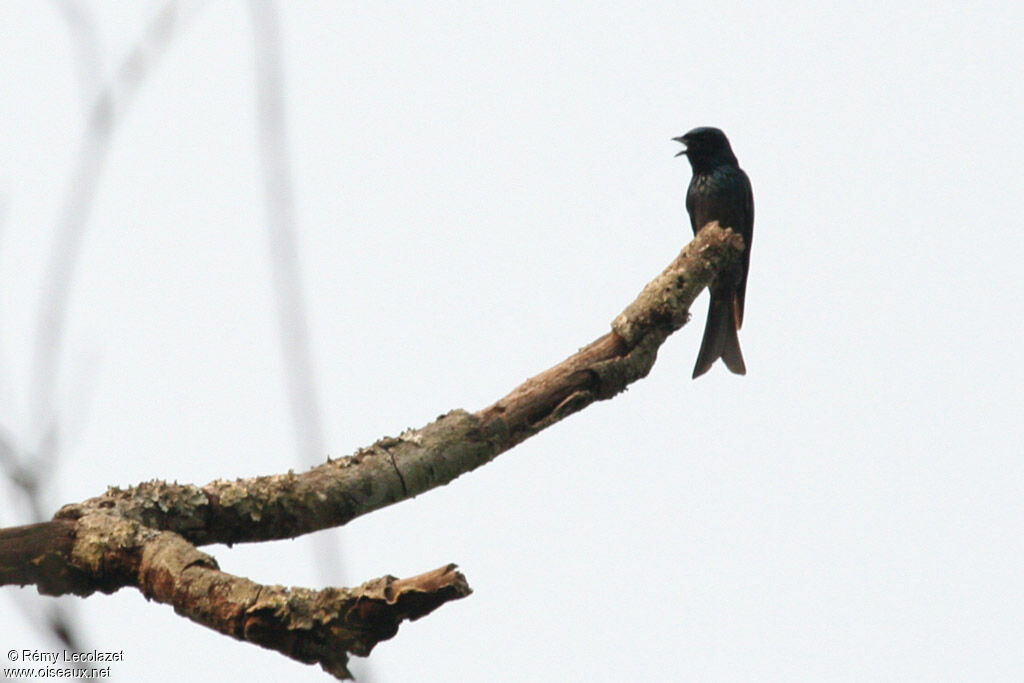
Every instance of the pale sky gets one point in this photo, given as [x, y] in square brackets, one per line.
[480, 189]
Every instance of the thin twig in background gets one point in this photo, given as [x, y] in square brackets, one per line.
[29, 466]
[303, 398]
[107, 109]
[86, 46]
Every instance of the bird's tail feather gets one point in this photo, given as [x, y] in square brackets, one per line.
[720, 338]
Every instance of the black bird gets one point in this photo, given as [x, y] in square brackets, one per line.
[720, 191]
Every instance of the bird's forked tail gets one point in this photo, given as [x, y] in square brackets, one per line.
[720, 338]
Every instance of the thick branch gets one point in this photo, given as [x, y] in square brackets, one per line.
[397, 468]
[37, 554]
[145, 536]
[105, 552]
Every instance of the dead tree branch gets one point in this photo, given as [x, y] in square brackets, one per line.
[105, 552]
[146, 536]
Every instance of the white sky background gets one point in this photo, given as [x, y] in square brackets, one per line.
[481, 188]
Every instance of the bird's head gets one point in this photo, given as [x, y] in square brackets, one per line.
[706, 146]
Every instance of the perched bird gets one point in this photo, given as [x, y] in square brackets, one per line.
[720, 191]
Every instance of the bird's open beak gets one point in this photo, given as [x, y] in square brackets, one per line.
[681, 141]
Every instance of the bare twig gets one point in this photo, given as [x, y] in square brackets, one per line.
[293, 326]
[107, 109]
[86, 45]
[28, 467]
